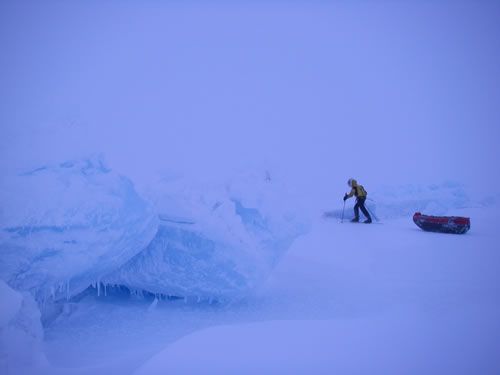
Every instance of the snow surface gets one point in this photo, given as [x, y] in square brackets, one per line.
[347, 298]
[297, 296]
[406, 343]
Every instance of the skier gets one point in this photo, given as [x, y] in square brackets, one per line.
[360, 193]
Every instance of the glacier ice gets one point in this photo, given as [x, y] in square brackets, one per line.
[64, 226]
[213, 242]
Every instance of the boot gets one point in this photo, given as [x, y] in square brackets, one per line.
[355, 220]
[367, 221]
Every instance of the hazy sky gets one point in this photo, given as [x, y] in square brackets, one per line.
[322, 91]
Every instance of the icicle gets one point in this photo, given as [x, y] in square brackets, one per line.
[153, 305]
[98, 288]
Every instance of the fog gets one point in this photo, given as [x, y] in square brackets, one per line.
[387, 92]
[99, 275]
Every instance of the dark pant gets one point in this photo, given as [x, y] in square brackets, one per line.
[360, 203]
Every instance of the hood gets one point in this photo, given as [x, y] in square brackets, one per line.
[352, 182]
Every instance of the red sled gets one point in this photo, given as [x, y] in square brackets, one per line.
[442, 224]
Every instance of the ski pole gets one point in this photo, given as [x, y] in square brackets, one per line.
[371, 213]
[342, 219]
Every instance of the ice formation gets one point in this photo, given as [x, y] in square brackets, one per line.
[64, 226]
[67, 226]
[21, 333]
[213, 242]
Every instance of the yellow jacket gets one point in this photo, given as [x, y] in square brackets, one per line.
[357, 190]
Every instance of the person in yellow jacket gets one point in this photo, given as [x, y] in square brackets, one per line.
[360, 193]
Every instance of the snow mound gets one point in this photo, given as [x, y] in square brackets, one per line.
[64, 226]
[213, 242]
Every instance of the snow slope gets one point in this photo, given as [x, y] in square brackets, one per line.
[406, 343]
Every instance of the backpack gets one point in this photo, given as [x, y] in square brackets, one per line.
[361, 191]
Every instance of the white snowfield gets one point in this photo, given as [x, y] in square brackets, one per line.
[362, 299]
[388, 344]
[320, 298]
